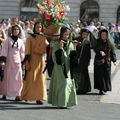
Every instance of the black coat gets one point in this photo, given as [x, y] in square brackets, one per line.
[83, 53]
[80, 61]
[102, 71]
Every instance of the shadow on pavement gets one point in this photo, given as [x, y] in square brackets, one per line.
[11, 107]
[21, 105]
[89, 94]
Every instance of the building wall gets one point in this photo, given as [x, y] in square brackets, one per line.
[107, 9]
[74, 13]
[9, 8]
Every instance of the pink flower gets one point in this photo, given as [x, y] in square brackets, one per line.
[50, 3]
[48, 16]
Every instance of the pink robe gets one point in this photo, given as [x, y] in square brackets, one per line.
[0, 55]
[12, 83]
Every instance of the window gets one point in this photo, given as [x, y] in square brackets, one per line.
[28, 3]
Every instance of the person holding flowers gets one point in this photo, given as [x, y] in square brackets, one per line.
[34, 87]
[62, 92]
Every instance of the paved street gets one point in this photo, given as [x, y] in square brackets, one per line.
[90, 107]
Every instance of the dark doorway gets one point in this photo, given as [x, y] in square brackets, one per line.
[118, 14]
[89, 10]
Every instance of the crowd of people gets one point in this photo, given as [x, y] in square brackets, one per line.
[23, 46]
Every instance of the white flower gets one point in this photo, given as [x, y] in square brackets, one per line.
[67, 8]
[51, 10]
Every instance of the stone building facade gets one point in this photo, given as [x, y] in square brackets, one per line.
[107, 10]
[104, 10]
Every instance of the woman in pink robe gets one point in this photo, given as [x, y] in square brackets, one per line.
[2, 40]
[12, 54]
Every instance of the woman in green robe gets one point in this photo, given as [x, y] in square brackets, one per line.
[62, 92]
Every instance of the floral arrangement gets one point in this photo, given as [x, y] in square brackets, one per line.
[53, 12]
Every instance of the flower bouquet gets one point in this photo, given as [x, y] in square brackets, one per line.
[52, 14]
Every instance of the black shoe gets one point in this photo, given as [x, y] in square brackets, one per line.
[3, 97]
[81, 93]
[101, 92]
[26, 100]
[39, 102]
[18, 98]
[62, 108]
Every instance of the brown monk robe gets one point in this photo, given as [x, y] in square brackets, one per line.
[34, 87]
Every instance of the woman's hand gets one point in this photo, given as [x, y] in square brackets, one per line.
[75, 42]
[102, 53]
[2, 64]
[62, 42]
[27, 66]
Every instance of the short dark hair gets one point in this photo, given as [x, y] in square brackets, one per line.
[85, 30]
[103, 30]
